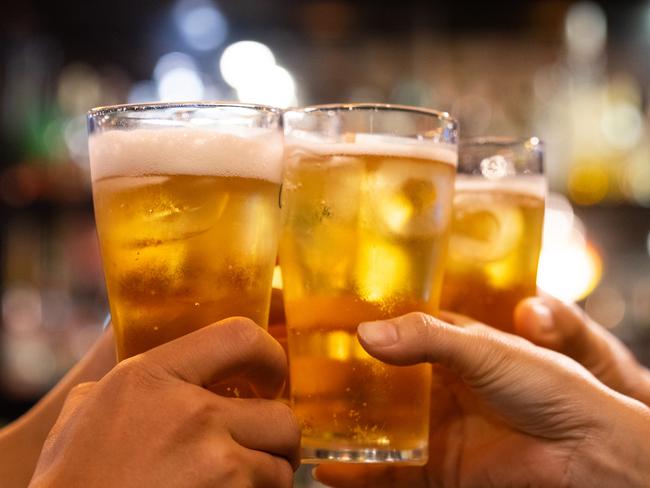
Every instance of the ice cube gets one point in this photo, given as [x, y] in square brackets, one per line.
[483, 229]
[407, 200]
[383, 270]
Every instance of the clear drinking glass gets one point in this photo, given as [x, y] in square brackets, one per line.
[497, 228]
[187, 211]
[367, 198]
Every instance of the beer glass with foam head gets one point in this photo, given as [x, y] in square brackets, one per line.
[367, 198]
[187, 211]
[497, 228]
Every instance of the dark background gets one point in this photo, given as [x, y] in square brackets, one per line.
[574, 73]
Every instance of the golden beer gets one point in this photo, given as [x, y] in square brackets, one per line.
[187, 222]
[365, 235]
[494, 247]
[183, 251]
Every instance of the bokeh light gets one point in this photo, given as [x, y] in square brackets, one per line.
[244, 61]
[180, 84]
[569, 272]
[276, 87]
[588, 183]
[586, 30]
[171, 61]
[622, 125]
[21, 309]
[201, 24]
[249, 67]
[178, 79]
[76, 139]
[143, 91]
[29, 375]
[637, 177]
[569, 267]
[79, 89]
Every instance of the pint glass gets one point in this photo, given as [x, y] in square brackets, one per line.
[367, 198]
[187, 211]
[497, 229]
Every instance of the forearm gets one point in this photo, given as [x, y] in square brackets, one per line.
[21, 441]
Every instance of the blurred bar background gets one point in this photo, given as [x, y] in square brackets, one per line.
[576, 74]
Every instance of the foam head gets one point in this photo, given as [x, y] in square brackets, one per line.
[244, 152]
[532, 185]
[374, 145]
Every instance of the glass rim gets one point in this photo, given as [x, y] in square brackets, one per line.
[503, 141]
[349, 107]
[152, 106]
[527, 154]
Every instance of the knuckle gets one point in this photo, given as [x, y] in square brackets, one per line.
[422, 323]
[127, 367]
[420, 335]
[199, 413]
[420, 319]
[225, 460]
[245, 331]
[204, 456]
[226, 456]
[137, 372]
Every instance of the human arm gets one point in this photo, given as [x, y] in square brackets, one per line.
[22, 440]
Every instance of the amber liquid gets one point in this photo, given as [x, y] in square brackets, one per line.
[181, 252]
[364, 239]
[493, 254]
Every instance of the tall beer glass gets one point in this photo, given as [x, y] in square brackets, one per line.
[367, 198]
[497, 228]
[187, 212]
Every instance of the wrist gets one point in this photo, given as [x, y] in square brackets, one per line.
[617, 453]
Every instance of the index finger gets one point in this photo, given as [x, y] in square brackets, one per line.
[234, 347]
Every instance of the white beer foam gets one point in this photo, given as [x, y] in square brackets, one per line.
[244, 152]
[375, 145]
[533, 185]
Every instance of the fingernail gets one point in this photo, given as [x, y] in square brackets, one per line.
[378, 333]
[545, 322]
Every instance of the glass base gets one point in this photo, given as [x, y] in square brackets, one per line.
[414, 457]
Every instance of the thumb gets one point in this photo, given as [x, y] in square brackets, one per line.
[417, 338]
[525, 384]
